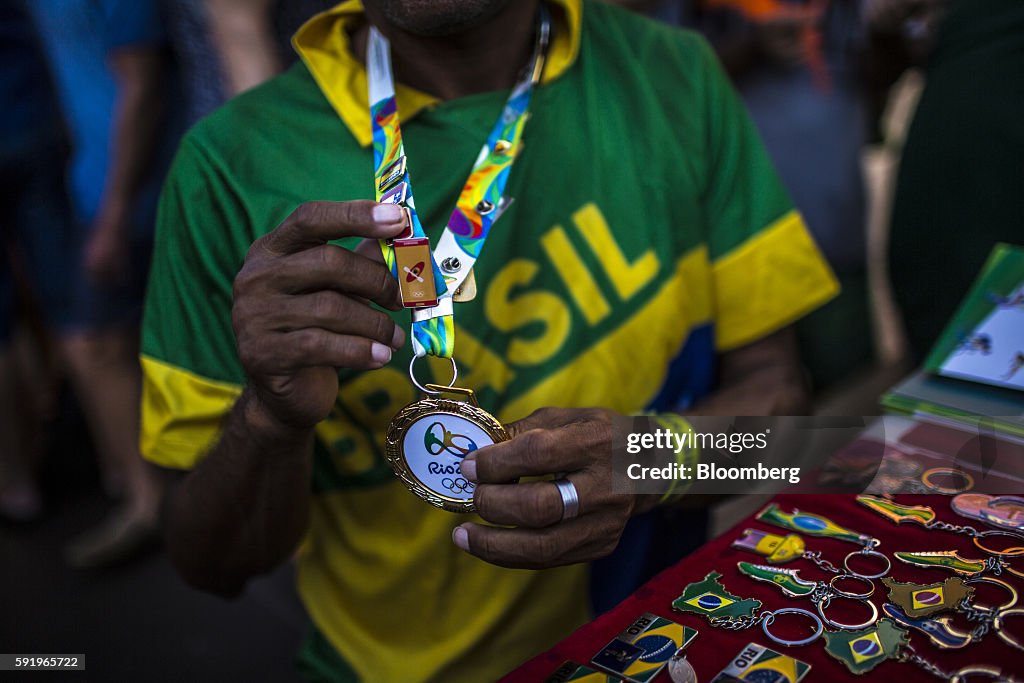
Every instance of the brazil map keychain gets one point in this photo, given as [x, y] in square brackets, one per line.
[427, 440]
[722, 609]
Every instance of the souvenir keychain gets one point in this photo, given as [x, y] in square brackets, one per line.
[782, 549]
[989, 618]
[820, 593]
[1000, 512]
[722, 609]
[924, 516]
[427, 440]
[922, 600]
[953, 561]
[816, 525]
[864, 649]
[928, 483]
[967, 674]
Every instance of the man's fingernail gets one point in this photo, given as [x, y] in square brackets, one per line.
[386, 214]
[398, 338]
[469, 469]
[460, 537]
[380, 353]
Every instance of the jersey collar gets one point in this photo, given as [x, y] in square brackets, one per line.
[323, 44]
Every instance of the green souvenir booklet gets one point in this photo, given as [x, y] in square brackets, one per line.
[975, 371]
[985, 340]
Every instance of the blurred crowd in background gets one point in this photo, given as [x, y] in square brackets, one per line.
[97, 93]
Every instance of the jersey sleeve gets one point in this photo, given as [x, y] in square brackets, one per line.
[766, 269]
[191, 371]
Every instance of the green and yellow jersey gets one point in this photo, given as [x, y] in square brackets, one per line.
[648, 233]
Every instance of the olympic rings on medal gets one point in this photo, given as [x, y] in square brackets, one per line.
[847, 594]
[868, 552]
[769, 619]
[823, 605]
[425, 390]
[457, 485]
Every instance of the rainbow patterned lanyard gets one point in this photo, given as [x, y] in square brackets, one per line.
[428, 290]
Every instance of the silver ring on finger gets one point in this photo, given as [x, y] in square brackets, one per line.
[570, 499]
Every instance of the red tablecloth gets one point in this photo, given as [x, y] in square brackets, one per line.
[711, 651]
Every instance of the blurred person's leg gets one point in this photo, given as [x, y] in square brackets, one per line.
[107, 381]
[19, 495]
[33, 223]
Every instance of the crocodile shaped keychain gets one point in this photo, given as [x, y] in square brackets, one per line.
[821, 594]
[924, 516]
[816, 525]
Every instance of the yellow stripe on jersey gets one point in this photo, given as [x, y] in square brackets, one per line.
[598, 376]
[770, 280]
[181, 413]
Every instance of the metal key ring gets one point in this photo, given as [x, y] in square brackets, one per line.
[996, 582]
[989, 672]
[847, 594]
[950, 472]
[848, 627]
[431, 392]
[998, 624]
[1006, 552]
[868, 552]
[819, 628]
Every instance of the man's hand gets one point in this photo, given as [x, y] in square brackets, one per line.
[574, 443]
[301, 308]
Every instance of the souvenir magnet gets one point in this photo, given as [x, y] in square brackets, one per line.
[644, 648]
[863, 650]
[757, 663]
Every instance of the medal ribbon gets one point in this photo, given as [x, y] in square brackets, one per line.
[479, 204]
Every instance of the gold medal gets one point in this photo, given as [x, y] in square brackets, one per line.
[427, 441]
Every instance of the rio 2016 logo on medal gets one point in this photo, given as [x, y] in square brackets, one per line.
[427, 441]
